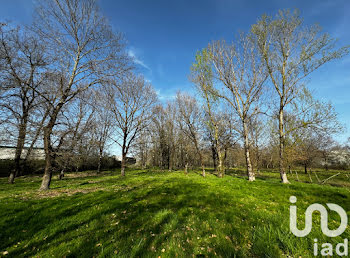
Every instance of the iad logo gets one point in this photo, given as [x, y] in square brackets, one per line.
[324, 219]
[327, 247]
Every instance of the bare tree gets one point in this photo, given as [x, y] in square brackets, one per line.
[79, 118]
[171, 113]
[142, 148]
[256, 125]
[2, 87]
[131, 102]
[291, 51]
[164, 134]
[41, 114]
[87, 54]
[102, 126]
[191, 122]
[23, 61]
[158, 129]
[310, 122]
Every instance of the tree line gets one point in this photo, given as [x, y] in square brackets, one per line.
[68, 84]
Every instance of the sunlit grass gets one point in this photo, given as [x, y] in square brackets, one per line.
[153, 213]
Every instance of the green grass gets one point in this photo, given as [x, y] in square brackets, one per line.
[155, 213]
[341, 177]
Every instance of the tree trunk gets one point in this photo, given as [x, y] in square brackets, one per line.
[202, 164]
[11, 178]
[250, 172]
[221, 165]
[186, 168]
[123, 165]
[65, 165]
[257, 160]
[170, 161]
[214, 156]
[19, 148]
[37, 134]
[45, 184]
[305, 168]
[60, 177]
[99, 161]
[223, 168]
[200, 155]
[283, 174]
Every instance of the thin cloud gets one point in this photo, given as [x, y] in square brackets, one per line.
[138, 61]
[165, 96]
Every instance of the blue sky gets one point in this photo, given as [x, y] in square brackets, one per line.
[164, 36]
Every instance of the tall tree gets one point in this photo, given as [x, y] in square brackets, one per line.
[190, 119]
[131, 102]
[158, 129]
[79, 118]
[87, 53]
[102, 126]
[143, 147]
[291, 51]
[256, 125]
[164, 134]
[23, 61]
[241, 73]
[218, 123]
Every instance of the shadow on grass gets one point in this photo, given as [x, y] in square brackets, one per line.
[135, 222]
[152, 216]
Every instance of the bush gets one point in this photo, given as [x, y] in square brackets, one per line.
[37, 166]
[27, 168]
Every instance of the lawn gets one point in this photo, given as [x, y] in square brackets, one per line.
[152, 213]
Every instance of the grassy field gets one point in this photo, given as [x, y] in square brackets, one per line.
[318, 176]
[151, 213]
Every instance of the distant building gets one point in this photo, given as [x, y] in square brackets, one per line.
[8, 152]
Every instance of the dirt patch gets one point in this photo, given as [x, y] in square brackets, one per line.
[70, 192]
[80, 174]
[66, 192]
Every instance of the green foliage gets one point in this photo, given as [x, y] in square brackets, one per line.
[202, 75]
[155, 213]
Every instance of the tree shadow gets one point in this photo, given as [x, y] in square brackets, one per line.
[143, 214]
[142, 218]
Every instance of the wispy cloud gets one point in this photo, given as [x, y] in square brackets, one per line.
[137, 60]
[165, 96]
